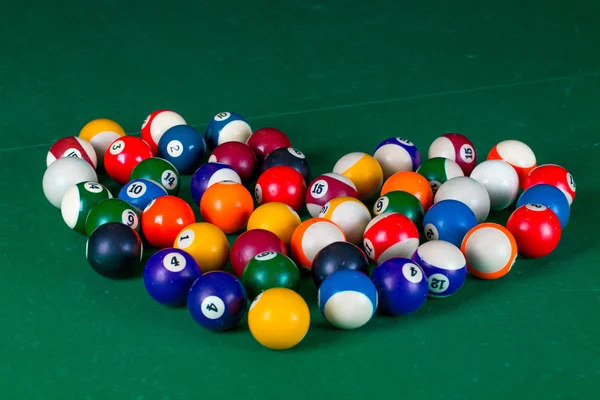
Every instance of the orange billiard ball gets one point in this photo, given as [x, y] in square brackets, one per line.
[227, 205]
[164, 218]
[410, 182]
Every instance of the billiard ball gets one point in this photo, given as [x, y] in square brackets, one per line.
[364, 171]
[444, 265]
[401, 202]
[79, 200]
[438, 170]
[64, 173]
[549, 196]
[264, 140]
[555, 175]
[158, 170]
[72, 146]
[183, 146]
[164, 218]
[139, 193]
[217, 301]
[227, 205]
[251, 243]
[348, 299]
[310, 237]
[156, 124]
[410, 182]
[490, 250]
[337, 256]
[206, 243]
[207, 175]
[401, 286]
[100, 133]
[238, 156]
[114, 250]
[112, 210]
[448, 220]
[397, 154]
[289, 157]
[269, 270]
[350, 214]
[536, 230]
[227, 127]
[390, 235]
[516, 153]
[168, 276]
[455, 147]
[500, 180]
[326, 187]
[466, 190]
[123, 155]
[281, 184]
[278, 218]
[279, 318]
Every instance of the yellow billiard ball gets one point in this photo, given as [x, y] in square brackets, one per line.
[206, 243]
[275, 217]
[101, 133]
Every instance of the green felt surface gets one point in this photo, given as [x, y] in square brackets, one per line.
[337, 77]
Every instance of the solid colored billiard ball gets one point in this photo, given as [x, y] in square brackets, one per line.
[156, 124]
[269, 270]
[64, 173]
[217, 301]
[79, 200]
[348, 299]
[326, 187]
[364, 171]
[549, 196]
[536, 230]
[516, 153]
[207, 175]
[401, 202]
[100, 133]
[444, 265]
[289, 157]
[466, 190]
[438, 170]
[251, 243]
[278, 218]
[397, 154]
[227, 205]
[164, 218]
[123, 155]
[555, 175]
[141, 192]
[114, 250]
[158, 170]
[410, 182]
[390, 235]
[168, 276]
[310, 237]
[183, 146]
[72, 146]
[112, 210]
[401, 286]
[279, 318]
[500, 180]
[238, 156]
[455, 147]
[227, 127]
[338, 256]
[448, 220]
[490, 250]
[350, 214]
[206, 243]
[265, 140]
[281, 184]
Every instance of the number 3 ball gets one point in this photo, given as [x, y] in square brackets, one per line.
[327, 187]
[184, 147]
[123, 155]
[444, 265]
[114, 250]
[140, 192]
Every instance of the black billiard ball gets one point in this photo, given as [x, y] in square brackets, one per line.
[114, 250]
[338, 256]
[289, 157]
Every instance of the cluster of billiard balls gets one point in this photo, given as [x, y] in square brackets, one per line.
[422, 224]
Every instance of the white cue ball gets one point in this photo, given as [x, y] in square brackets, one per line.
[64, 173]
[500, 180]
[468, 191]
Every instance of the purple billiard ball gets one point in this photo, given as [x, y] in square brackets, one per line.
[397, 154]
[444, 265]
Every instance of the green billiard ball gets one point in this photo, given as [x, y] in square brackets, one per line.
[112, 210]
[158, 170]
[438, 170]
[270, 270]
[79, 200]
[400, 202]
[114, 250]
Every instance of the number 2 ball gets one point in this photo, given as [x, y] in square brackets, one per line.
[327, 187]
[184, 147]
[123, 155]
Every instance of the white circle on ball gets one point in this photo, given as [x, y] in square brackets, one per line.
[412, 272]
[169, 179]
[319, 189]
[185, 238]
[438, 283]
[136, 190]
[265, 256]
[535, 207]
[571, 182]
[174, 262]
[174, 148]
[212, 307]
[222, 116]
[381, 205]
[405, 142]
[117, 147]
[467, 153]
[431, 232]
[295, 152]
[130, 218]
[258, 193]
[93, 187]
[255, 302]
[212, 158]
[435, 185]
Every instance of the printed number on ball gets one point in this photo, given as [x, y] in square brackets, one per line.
[92, 187]
[265, 255]
[412, 273]
[185, 239]
[319, 189]
[117, 147]
[130, 218]
[438, 283]
[212, 307]
[175, 148]
[169, 179]
[222, 116]
[174, 262]
[136, 190]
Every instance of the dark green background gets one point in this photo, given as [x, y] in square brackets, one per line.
[337, 77]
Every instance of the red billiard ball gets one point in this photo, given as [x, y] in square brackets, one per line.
[536, 230]
[251, 243]
[390, 235]
[281, 184]
[555, 175]
[123, 155]
[238, 156]
[265, 140]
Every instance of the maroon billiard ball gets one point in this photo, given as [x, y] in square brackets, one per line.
[251, 243]
[238, 156]
[265, 140]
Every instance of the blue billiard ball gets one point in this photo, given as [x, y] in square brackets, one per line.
[168, 276]
[401, 285]
[448, 220]
[289, 157]
[397, 154]
[209, 174]
[183, 146]
[347, 299]
[227, 127]
[217, 301]
[141, 192]
[549, 196]
[444, 265]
